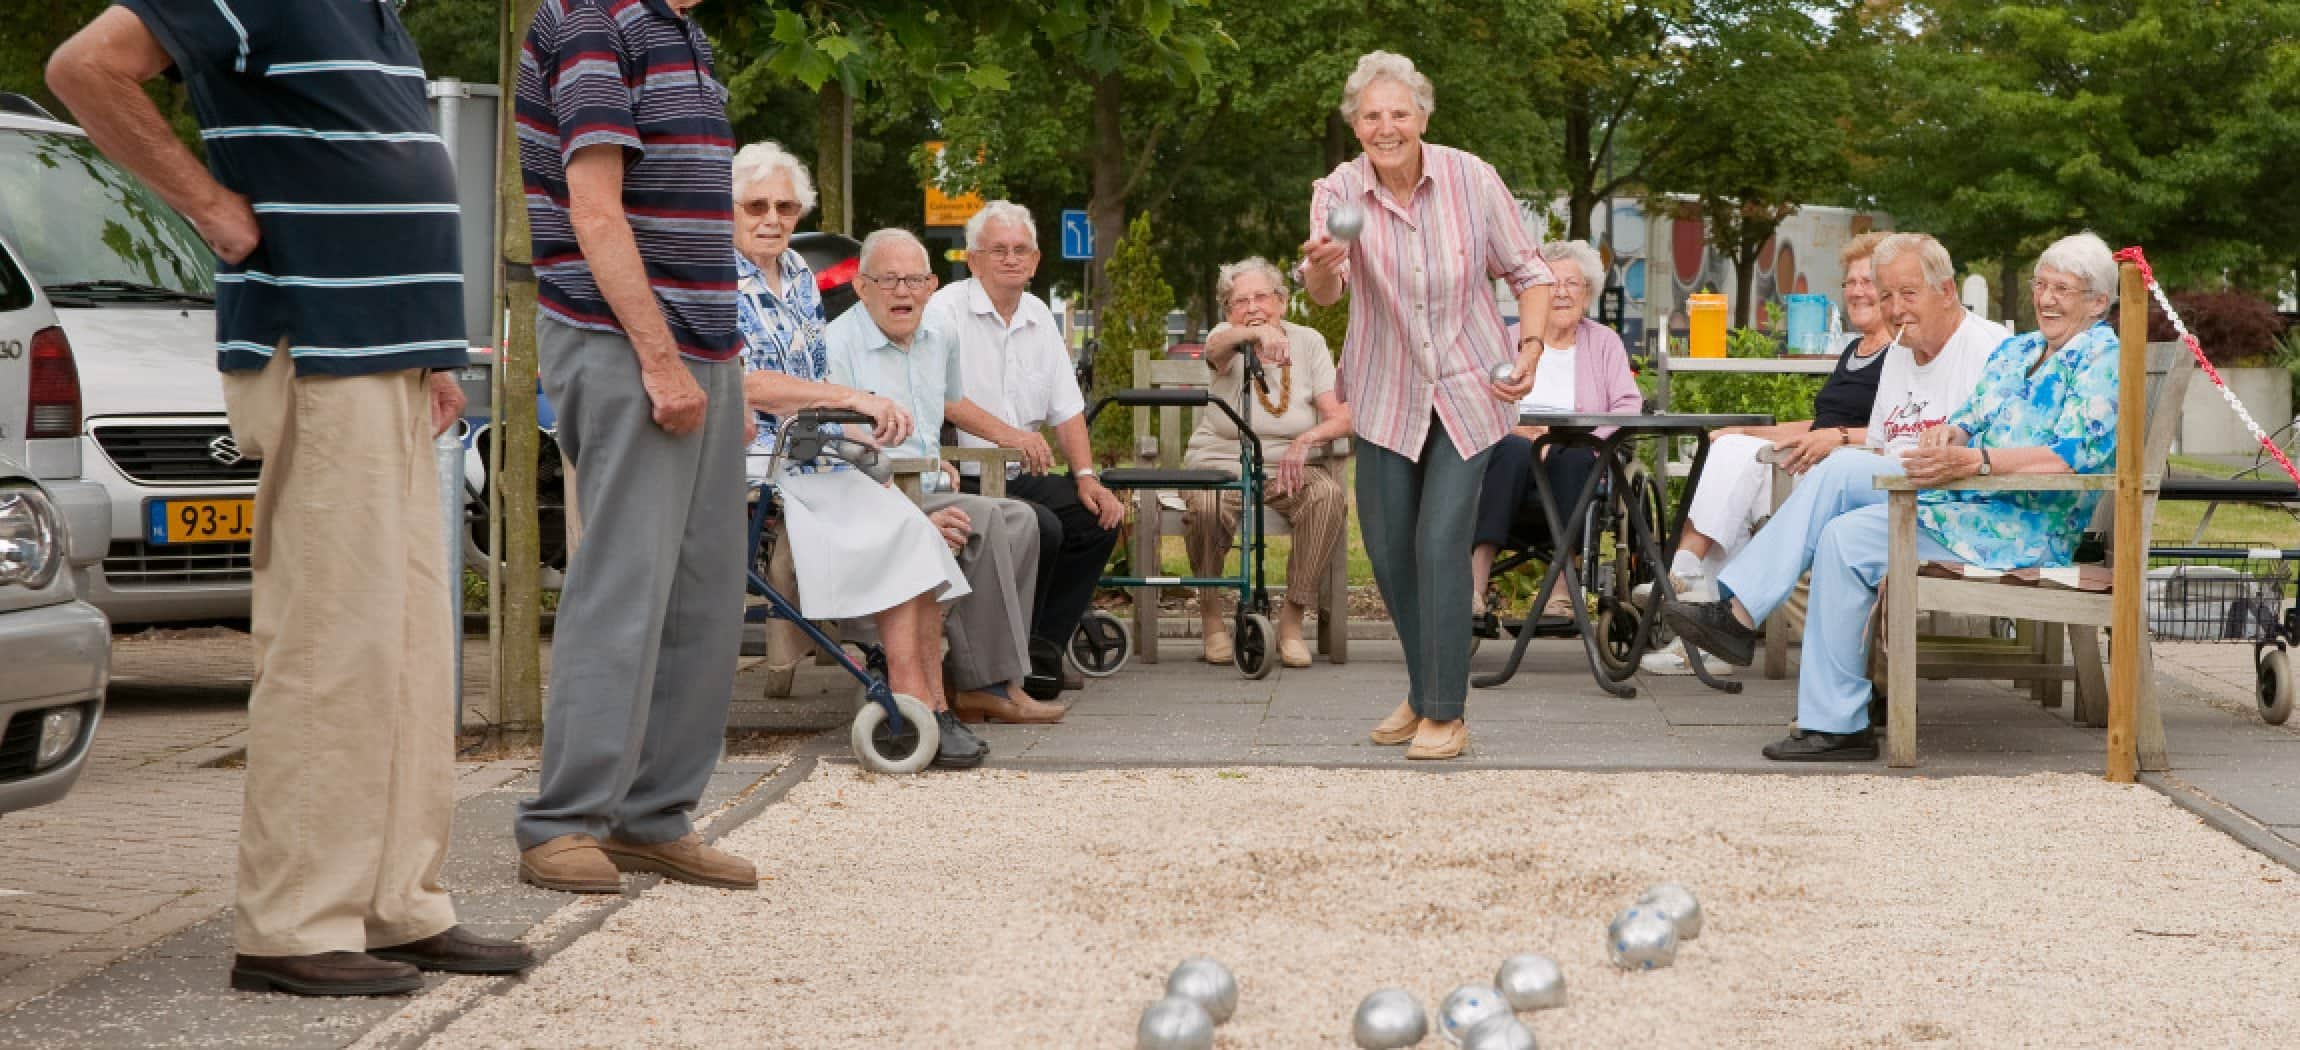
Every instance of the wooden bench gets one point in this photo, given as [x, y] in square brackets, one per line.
[1153, 521]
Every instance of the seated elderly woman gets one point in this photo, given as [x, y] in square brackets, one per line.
[860, 548]
[1582, 368]
[1295, 419]
[2046, 404]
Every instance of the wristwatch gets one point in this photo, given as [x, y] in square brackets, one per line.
[1984, 463]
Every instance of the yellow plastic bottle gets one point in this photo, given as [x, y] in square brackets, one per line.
[1705, 317]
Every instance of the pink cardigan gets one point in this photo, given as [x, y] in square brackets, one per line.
[1602, 381]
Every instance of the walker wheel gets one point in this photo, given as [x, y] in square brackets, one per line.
[2275, 686]
[881, 748]
[1101, 645]
[1256, 640]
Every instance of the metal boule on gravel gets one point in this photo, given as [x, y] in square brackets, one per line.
[1345, 222]
[1641, 939]
[1499, 1032]
[1174, 1024]
[1531, 982]
[1678, 904]
[1207, 983]
[1390, 1019]
[1467, 1005]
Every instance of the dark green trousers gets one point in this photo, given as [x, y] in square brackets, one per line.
[1417, 517]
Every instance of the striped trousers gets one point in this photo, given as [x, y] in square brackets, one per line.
[1316, 512]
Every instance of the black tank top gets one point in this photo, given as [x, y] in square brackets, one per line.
[1845, 399]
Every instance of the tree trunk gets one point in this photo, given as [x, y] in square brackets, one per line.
[1106, 203]
[515, 592]
[1338, 139]
[1580, 169]
[834, 158]
[1744, 279]
[2008, 292]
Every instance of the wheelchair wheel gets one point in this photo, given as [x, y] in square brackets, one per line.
[1101, 645]
[2274, 685]
[883, 749]
[1615, 575]
[1257, 644]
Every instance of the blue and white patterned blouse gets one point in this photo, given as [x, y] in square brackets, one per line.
[2068, 406]
[781, 333]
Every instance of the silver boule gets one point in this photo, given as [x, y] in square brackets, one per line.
[1505, 372]
[1345, 222]
[1467, 1005]
[1641, 939]
[1207, 983]
[1531, 982]
[1679, 905]
[1174, 1024]
[1499, 1032]
[1390, 1019]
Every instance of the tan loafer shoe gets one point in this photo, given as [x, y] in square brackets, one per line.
[1293, 652]
[1439, 740]
[570, 864]
[1219, 650]
[685, 859]
[1013, 708]
[1399, 727]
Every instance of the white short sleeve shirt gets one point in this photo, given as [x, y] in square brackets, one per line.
[1019, 370]
[1912, 397]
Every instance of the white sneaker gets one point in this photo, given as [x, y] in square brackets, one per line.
[1695, 587]
[1670, 660]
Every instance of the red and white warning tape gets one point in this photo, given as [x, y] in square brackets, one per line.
[2134, 256]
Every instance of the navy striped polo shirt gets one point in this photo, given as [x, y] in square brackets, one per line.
[632, 74]
[315, 111]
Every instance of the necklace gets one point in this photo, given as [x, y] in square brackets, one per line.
[1285, 390]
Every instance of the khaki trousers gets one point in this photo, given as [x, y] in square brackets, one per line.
[351, 750]
[1317, 513]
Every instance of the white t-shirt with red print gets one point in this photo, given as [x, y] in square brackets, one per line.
[1912, 397]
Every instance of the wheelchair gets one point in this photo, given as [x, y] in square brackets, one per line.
[1606, 558]
[892, 732]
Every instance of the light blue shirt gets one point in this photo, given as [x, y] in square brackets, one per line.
[922, 379]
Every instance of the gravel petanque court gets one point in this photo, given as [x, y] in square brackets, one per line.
[1006, 909]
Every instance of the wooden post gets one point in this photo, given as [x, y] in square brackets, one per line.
[515, 592]
[2125, 639]
[1900, 633]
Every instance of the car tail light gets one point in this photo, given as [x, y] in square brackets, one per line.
[840, 273]
[55, 402]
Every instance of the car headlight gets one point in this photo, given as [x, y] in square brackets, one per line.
[58, 730]
[31, 537]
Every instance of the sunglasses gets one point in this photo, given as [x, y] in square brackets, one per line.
[758, 209]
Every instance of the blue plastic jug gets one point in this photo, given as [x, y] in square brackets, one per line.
[1807, 318]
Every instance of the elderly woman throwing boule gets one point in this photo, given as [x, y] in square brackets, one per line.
[1295, 416]
[1429, 372]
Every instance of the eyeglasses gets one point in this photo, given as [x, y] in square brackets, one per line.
[1858, 283]
[1256, 297]
[917, 282]
[1573, 284]
[1003, 252]
[759, 208]
[2058, 289]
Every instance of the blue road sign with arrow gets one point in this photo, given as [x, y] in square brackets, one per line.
[1077, 235]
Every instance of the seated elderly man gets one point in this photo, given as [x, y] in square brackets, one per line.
[860, 548]
[1295, 417]
[886, 348]
[2046, 404]
[1018, 381]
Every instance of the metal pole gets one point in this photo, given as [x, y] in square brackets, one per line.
[447, 451]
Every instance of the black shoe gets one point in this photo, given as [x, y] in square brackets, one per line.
[959, 747]
[457, 950]
[1878, 708]
[327, 973]
[1712, 627]
[1806, 746]
[1486, 624]
[1044, 682]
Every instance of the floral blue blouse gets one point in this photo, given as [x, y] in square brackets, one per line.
[781, 333]
[2068, 406]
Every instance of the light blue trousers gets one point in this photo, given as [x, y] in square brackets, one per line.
[1834, 525]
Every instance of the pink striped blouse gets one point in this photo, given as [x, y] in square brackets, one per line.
[1424, 330]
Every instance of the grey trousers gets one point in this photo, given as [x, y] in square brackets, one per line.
[989, 629]
[1417, 517]
[650, 623]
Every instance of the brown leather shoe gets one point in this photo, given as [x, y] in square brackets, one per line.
[1440, 739]
[1399, 727]
[458, 950]
[570, 864]
[979, 707]
[685, 859]
[327, 973]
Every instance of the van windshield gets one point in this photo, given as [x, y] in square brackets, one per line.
[89, 231]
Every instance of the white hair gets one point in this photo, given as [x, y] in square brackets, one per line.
[2085, 257]
[761, 160]
[1226, 280]
[1385, 65]
[888, 237]
[1007, 212]
[1933, 258]
[1580, 254]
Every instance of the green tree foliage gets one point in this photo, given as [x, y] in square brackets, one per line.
[1133, 322]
